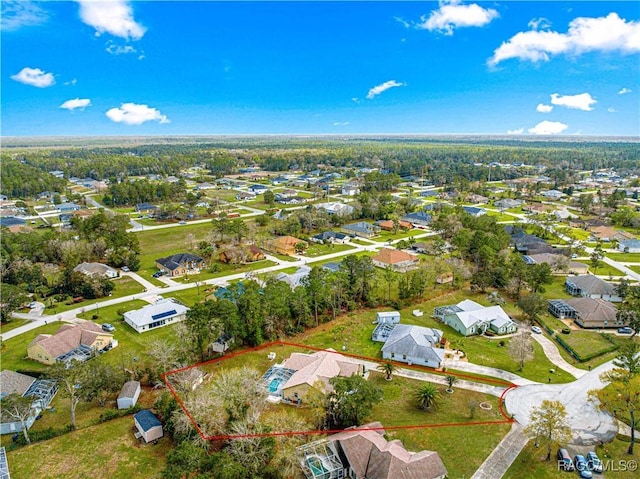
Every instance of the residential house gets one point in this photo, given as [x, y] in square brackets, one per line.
[429, 193]
[336, 208]
[364, 453]
[41, 391]
[535, 208]
[181, 264]
[587, 312]
[257, 189]
[418, 218]
[564, 214]
[629, 246]
[609, 233]
[294, 279]
[301, 372]
[414, 345]
[245, 195]
[332, 266]
[590, 286]
[421, 247]
[146, 209]
[399, 261]
[96, 270]
[330, 237]
[148, 426]
[240, 254]
[71, 342]
[350, 190]
[67, 207]
[470, 318]
[204, 186]
[279, 180]
[474, 211]
[477, 199]
[508, 203]
[553, 194]
[163, 313]
[361, 229]
[285, 245]
[129, 394]
[11, 222]
[559, 263]
[390, 225]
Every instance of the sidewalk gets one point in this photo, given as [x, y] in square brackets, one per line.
[501, 458]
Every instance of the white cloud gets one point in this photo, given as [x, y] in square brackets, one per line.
[539, 23]
[71, 82]
[548, 128]
[340, 123]
[452, 15]
[34, 77]
[116, 49]
[402, 21]
[376, 90]
[582, 101]
[624, 91]
[77, 103]
[114, 17]
[610, 33]
[542, 108]
[16, 14]
[611, 110]
[134, 114]
[519, 131]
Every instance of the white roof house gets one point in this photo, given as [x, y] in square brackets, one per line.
[163, 313]
[96, 269]
[469, 317]
[414, 345]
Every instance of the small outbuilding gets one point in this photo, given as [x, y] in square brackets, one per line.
[147, 425]
[128, 396]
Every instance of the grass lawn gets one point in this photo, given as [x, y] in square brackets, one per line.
[625, 257]
[385, 236]
[224, 269]
[605, 270]
[14, 350]
[531, 462]
[316, 249]
[283, 257]
[106, 450]
[12, 324]
[124, 286]
[586, 342]
[360, 242]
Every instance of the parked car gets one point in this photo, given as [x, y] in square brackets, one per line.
[32, 304]
[182, 222]
[109, 328]
[125, 269]
[157, 274]
[564, 460]
[582, 467]
[625, 330]
[536, 329]
[594, 463]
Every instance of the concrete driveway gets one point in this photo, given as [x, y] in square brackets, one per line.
[589, 425]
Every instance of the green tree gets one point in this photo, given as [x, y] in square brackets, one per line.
[101, 380]
[15, 407]
[13, 298]
[388, 369]
[596, 257]
[427, 396]
[451, 380]
[269, 198]
[204, 326]
[532, 306]
[72, 379]
[548, 424]
[351, 401]
[316, 285]
[538, 275]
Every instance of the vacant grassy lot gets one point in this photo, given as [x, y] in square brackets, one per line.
[106, 450]
[625, 257]
[586, 342]
[385, 236]
[316, 249]
[532, 465]
[13, 324]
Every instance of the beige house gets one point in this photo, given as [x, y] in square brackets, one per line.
[315, 370]
[285, 245]
[398, 260]
[77, 341]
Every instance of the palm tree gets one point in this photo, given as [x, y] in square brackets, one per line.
[388, 369]
[451, 380]
[427, 396]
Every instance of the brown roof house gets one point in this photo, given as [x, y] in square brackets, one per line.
[559, 263]
[609, 233]
[285, 245]
[398, 260]
[587, 312]
[78, 341]
[363, 452]
[241, 254]
[301, 372]
[389, 225]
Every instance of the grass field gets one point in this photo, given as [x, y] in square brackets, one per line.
[316, 249]
[106, 450]
[625, 257]
[13, 324]
[532, 465]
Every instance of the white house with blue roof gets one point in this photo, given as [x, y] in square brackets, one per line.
[148, 426]
[163, 313]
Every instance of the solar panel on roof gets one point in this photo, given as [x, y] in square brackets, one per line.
[164, 315]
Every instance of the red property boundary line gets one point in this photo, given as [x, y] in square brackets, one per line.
[491, 381]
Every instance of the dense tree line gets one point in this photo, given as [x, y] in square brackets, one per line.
[129, 193]
[20, 180]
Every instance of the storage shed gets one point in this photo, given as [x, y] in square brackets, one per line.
[148, 426]
[128, 396]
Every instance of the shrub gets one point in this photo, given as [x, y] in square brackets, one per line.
[566, 331]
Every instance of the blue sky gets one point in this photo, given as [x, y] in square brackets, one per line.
[165, 68]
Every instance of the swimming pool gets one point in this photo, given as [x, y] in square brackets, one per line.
[274, 385]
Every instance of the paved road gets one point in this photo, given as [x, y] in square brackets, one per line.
[589, 425]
